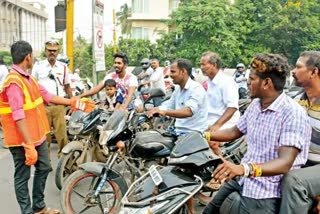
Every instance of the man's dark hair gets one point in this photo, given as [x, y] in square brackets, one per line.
[313, 59]
[214, 58]
[123, 56]
[184, 64]
[155, 59]
[110, 83]
[273, 66]
[19, 50]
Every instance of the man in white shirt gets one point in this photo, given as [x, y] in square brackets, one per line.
[126, 82]
[156, 79]
[54, 77]
[222, 94]
[241, 77]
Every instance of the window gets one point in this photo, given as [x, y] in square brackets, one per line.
[140, 33]
[140, 6]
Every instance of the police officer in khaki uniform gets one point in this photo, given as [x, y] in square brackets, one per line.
[54, 77]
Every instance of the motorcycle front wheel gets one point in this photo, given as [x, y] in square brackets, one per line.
[77, 195]
[68, 163]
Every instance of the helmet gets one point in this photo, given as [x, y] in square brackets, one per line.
[145, 63]
[63, 58]
[240, 65]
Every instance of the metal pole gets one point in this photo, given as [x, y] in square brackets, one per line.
[70, 15]
[114, 32]
[94, 73]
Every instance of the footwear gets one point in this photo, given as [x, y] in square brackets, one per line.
[48, 210]
[215, 184]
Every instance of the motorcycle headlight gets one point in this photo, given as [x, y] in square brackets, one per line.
[75, 128]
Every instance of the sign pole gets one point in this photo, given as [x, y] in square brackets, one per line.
[70, 17]
[94, 73]
[114, 32]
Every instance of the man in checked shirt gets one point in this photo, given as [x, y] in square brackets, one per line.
[299, 187]
[278, 137]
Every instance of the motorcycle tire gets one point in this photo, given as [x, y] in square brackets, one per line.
[68, 163]
[75, 195]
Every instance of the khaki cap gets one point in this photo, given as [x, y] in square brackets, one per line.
[52, 45]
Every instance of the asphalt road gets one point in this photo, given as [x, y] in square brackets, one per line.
[52, 194]
[8, 203]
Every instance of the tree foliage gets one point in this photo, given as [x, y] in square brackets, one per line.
[123, 21]
[82, 55]
[6, 56]
[239, 31]
[136, 49]
[236, 31]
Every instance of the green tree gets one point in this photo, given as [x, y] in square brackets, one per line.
[203, 25]
[136, 49]
[82, 54]
[108, 53]
[122, 17]
[6, 56]
[280, 26]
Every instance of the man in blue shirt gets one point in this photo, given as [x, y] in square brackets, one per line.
[188, 103]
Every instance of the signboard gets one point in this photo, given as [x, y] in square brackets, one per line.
[98, 36]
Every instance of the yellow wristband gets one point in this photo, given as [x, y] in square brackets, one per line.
[207, 136]
[258, 172]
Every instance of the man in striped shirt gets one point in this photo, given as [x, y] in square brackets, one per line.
[278, 136]
[300, 187]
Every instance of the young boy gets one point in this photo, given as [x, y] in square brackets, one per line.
[114, 99]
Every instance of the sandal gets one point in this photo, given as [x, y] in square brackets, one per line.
[215, 184]
[48, 210]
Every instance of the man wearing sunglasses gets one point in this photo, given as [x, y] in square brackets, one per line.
[54, 76]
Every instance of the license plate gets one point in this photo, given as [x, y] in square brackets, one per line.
[155, 175]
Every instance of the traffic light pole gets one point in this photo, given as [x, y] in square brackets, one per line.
[70, 15]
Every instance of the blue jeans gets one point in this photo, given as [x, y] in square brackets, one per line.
[22, 176]
[229, 200]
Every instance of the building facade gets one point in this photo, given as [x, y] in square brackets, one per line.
[22, 21]
[148, 18]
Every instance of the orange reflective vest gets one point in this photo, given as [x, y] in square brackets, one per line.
[35, 115]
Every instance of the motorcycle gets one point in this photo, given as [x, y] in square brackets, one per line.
[83, 128]
[167, 189]
[119, 129]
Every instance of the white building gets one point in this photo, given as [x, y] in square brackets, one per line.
[148, 16]
[22, 21]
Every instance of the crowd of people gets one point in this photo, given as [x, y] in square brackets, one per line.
[282, 134]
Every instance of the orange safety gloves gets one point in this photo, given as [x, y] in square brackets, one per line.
[31, 154]
[83, 104]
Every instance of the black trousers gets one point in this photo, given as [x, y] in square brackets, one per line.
[22, 176]
[229, 200]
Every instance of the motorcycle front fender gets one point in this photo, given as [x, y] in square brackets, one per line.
[73, 146]
[96, 168]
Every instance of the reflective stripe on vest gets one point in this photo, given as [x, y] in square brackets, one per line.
[28, 102]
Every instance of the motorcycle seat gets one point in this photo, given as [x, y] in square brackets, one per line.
[151, 142]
